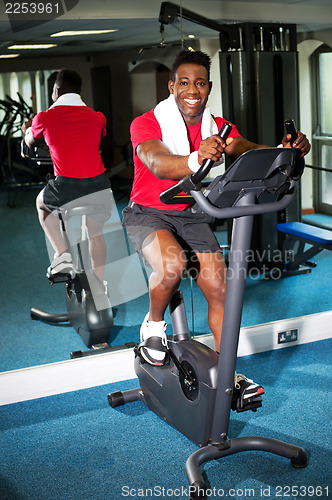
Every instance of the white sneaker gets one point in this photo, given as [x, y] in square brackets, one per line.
[248, 387]
[61, 264]
[153, 329]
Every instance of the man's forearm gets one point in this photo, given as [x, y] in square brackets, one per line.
[29, 139]
[169, 166]
[161, 161]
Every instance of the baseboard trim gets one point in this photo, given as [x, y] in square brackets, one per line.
[308, 211]
[72, 375]
[264, 337]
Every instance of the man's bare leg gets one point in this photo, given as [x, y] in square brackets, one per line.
[167, 259]
[51, 226]
[97, 247]
[211, 279]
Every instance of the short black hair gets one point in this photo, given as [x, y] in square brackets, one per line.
[189, 57]
[68, 81]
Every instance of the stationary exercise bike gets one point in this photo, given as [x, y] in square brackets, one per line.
[89, 310]
[193, 390]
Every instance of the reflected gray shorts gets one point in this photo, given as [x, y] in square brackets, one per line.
[65, 190]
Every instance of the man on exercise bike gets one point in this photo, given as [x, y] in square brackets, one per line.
[73, 133]
[170, 142]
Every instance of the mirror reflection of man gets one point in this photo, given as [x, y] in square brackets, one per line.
[73, 133]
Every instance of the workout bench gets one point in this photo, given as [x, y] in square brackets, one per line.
[298, 234]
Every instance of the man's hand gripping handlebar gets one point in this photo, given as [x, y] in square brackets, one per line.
[192, 182]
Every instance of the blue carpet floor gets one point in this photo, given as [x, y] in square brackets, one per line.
[74, 446]
[24, 259]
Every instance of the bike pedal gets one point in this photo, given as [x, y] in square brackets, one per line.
[59, 278]
[241, 405]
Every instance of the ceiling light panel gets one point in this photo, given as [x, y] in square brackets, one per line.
[32, 46]
[82, 32]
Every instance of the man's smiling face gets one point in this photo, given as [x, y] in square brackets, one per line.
[191, 90]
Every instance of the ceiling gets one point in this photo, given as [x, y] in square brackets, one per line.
[138, 26]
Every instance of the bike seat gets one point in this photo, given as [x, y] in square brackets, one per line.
[83, 210]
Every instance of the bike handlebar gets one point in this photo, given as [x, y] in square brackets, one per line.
[192, 181]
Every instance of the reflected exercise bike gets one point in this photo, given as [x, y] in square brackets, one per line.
[89, 310]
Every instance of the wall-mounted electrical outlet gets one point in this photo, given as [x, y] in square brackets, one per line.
[287, 336]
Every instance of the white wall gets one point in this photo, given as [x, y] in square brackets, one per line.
[307, 124]
[143, 91]
[212, 47]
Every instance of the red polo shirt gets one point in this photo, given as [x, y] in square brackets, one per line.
[73, 135]
[146, 187]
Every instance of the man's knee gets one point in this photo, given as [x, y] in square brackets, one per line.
[173, 272]
[40, 200]
[40, 205]
[170, 271]
[94, 228]
[213, 287]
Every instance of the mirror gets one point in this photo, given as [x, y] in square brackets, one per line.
[24, 256]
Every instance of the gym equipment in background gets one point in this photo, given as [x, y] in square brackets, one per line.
[18, 170]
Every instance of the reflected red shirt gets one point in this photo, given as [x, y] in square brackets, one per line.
[73, 135]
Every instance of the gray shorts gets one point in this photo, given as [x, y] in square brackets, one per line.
[67, 192]
[191, 230]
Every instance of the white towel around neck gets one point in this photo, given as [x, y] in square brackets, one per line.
[173, 127]
[69, 99]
